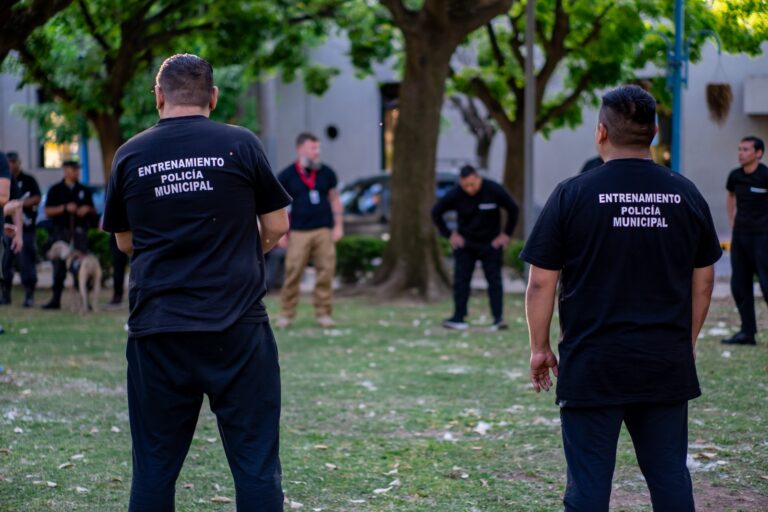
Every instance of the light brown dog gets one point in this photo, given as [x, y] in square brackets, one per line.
[88, 272]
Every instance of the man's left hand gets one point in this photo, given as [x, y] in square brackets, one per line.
[500, 241]
[17, 243]
[338, 232]
[84, 210]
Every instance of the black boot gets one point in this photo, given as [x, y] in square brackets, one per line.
[29, 296]
[55, 302]
[740, 338]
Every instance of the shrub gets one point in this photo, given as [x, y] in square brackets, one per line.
[512, 256]
[357, 255]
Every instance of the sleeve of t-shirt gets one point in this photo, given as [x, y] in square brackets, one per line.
[708, 250]
[544, 248]
[444, 204]
[53, 198]
[115, 214]
[730, 186]
[88, 198]
[334, 179]
[34, 188]
[270, 194]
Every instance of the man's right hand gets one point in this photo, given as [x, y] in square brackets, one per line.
[71, 207]
[456, 240]
[541, 363]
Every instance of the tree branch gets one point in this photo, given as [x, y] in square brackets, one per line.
[478, 15]
[41, 77]
[92, 28]
[514, 41]
[17, 24]
[495, 46]
[556, 50]
[566, 104]
[168, 35]
[492, 105]
[597, 26]
[404, 18]
[165, 11]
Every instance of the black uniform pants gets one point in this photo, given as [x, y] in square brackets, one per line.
[168, 374]
[660, 435]
[119, 262]
[26, 259]
[749, 256]
[464, 260]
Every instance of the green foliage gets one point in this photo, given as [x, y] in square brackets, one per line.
[512, 256]
[98, 245]
[355, 256]
[445, 247]
[41, 241]
[98, 58]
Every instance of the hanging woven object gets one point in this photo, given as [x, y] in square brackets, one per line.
[719, 100]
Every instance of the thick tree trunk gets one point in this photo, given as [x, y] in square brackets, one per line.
[110, 139]
[514, 169]
[413, 262]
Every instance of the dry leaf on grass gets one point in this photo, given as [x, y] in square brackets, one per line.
[320, 447]
[330, 466]
[66, 465]
[220, 499]
[115, 430]
[81, 490]
[189, 486]
[6, 451]
[382, 490]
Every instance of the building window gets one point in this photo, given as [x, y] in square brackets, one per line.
[53, 150]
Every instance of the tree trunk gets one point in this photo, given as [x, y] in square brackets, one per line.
[514, 170]
[412, 262]
[110, 139]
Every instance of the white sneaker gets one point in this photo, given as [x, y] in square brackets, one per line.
[326, 322]
[283, 322]
[455, 325]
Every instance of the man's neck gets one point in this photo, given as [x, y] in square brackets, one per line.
[170, 111]
[16, 173]
[750, 168]
[70, 183]
[621, 153]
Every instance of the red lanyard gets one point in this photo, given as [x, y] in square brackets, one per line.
[310, 180]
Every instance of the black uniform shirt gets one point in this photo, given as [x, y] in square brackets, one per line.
[190, 190]
[26, 187]
[751, 192]
[5, 170]
[61, 194]
[307, 214]
[479, 216]
[626, 237]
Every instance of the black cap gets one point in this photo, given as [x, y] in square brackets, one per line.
[71, 163]
[12, 155]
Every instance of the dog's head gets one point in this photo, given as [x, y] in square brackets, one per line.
[59, 251]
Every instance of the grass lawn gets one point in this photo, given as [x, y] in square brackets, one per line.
[388, 412]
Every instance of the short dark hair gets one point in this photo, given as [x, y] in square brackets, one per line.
[629, 115]
[467, 171]
[304, 137]
[757, 142]
[12, 155]
[186, 79]
[71, 163]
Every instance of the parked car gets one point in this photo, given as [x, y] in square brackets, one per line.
[367, 203]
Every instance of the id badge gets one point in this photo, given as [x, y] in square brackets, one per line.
[314, 197]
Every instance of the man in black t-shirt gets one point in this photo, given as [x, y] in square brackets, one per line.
[747, 205]
[196, 205]
[316, 226]
[478, 237]
[69, 205]
[28, 192]
[633, 245]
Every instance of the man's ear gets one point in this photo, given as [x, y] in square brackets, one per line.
[601, 134]
[214, 99]
[159, 98]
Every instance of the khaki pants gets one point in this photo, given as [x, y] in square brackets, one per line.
[317, 245]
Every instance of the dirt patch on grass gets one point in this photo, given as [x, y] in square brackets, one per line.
[708, 497]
